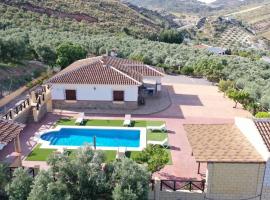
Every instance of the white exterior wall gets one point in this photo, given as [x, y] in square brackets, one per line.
[94, 92]
[249, 129]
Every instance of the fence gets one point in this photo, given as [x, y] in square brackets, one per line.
[37, 101]
[190, 185]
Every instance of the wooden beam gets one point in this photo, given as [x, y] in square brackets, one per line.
[199, 166]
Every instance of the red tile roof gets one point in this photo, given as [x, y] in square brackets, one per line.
[106, 70]
[9, 130]
[263, 126]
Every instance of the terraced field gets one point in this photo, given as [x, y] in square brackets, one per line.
[258, 19]
[234, 37]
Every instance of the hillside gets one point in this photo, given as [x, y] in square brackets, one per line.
[257, 18]
[96, 16]
[193, 6]
[26, 26]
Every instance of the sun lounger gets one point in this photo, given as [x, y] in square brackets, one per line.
[127, 121]
[80, 119]
[163, 143]
[157, 128]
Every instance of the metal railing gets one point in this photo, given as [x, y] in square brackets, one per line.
[175, 185]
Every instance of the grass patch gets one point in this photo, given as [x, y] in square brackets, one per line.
[156, 136]
[110, 155]
[39, 154]
[132, 154]
[104, 122]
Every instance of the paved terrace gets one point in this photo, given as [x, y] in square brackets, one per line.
[191, 102]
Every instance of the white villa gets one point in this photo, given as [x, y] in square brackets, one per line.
[104, 82]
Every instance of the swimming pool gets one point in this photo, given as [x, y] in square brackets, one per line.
[106, 137]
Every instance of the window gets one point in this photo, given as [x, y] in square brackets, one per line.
[118, 95]
[71, 95]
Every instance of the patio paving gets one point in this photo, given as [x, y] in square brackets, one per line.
[189, 103]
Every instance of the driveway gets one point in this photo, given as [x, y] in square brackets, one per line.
[198, 98]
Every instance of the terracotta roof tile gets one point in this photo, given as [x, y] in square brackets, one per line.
[220, 143]
[9, 130]
[263, 126]
[105, 70]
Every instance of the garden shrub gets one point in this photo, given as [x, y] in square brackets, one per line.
[262, 115]
[156, 157]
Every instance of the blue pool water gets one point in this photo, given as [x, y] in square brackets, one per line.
[104, 137]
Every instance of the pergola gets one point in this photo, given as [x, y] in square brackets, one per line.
[10, 131]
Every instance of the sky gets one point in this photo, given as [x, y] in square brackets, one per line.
[207, 1]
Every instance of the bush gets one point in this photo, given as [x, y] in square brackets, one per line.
[156, 157]
[187, 70]
[224, 86]
[262, 115]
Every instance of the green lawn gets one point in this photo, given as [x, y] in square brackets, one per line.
[156, 136]
[39, 154]
[104, 122]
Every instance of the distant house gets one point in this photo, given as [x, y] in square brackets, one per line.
[104, 82]
[214, 50]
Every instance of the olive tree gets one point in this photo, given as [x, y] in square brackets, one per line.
[20, 186]
[131, 180]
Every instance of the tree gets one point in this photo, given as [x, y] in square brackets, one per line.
[171, 36]
[20, 186]
[46, 54]
[82, 176]
[238, 96]
[67, 53]
[131, 180]
[4, 180]
[156, 157]
[46, 188]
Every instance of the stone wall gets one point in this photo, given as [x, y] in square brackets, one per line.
[84, 104]
[235, 180]
[33, 107]
[23, 116]
[158, 194]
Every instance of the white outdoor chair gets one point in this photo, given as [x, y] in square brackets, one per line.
[127, 121]
[163, 143]
[157, 128]
[80, 119]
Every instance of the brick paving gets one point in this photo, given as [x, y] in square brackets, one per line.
[190, 103]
